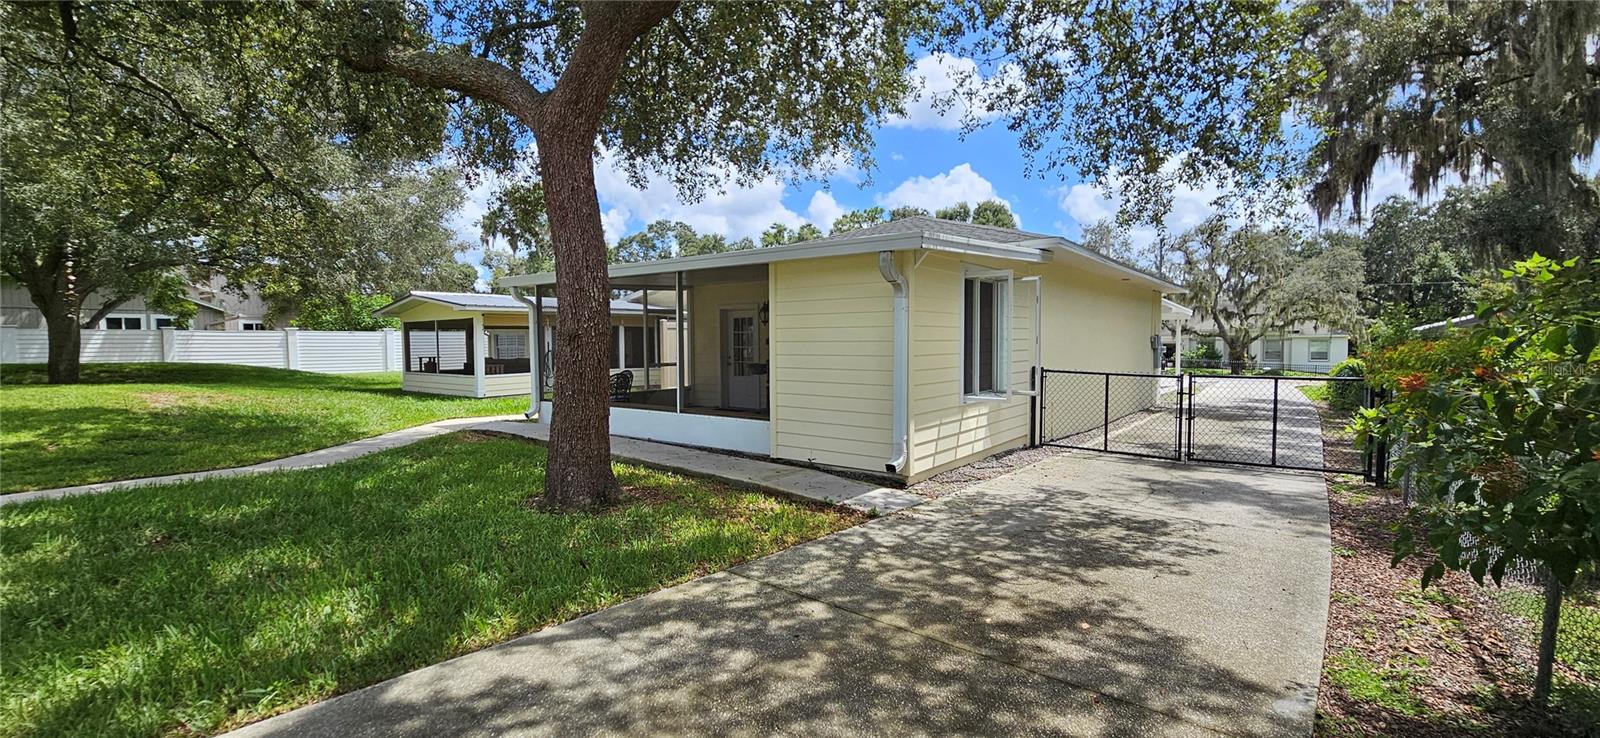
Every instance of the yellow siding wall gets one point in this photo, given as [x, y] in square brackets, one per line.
[1088, 322]
[706, 303]
[832, 351]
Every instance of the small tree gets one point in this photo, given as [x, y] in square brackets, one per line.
[352, 312]
[856, 219]
[1502, 429]
[906, 211]
[959, 211]
[779, 234]
[994, 213]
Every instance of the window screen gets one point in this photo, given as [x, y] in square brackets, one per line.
[983, 342]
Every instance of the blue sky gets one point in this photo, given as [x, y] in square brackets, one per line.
[921, 159]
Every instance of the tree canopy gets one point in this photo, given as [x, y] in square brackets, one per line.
[1502, 88]
[1249, 280]
[202, 158]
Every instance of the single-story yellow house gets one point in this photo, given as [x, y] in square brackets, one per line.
[908, 347]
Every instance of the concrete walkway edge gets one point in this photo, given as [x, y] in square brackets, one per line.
[308, 460]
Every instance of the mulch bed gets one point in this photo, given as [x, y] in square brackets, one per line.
[1459, 664]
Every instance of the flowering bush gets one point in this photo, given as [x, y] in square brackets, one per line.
[1502, 423]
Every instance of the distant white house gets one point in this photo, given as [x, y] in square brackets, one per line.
[1304, 346]
[218, 308]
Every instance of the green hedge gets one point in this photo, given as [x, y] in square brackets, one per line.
[1347, 395]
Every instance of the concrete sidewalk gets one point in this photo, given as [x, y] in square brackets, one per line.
[309, 460]
[1083, 595]
[781, 479]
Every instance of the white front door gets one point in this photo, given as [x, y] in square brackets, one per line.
[741, 382]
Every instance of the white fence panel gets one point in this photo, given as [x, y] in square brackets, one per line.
[24, 346]
[343, 352]
[97, 345]
[328, 352]
[251, 348]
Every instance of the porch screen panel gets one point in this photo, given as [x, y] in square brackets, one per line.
[422, 347]
[455, 346]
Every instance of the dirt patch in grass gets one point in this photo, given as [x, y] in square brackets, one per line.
[166, 400]
[1404, 661]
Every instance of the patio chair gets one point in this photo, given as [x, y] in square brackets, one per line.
[621, 386]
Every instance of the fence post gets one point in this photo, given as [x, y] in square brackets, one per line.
[291, 348]
[1177, 422]
[1105, 442]
[1275, 421]
[169, 343]
[388, 349]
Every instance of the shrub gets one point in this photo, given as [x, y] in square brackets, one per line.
[1205, 354]
[1503, 428]
[1347, 395]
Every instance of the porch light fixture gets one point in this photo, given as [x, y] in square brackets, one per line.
[763, 313]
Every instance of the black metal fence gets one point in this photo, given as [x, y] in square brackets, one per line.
[1120, 413]
[1269, 421]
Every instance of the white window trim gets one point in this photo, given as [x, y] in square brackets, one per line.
[1283, 349]
[1005, 278]
[1327, 350]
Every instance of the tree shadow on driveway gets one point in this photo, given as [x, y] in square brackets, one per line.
[1024, 606]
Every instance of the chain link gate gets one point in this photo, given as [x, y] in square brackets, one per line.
[1114, 412]
[1266, 421]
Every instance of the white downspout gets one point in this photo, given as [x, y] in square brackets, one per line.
[535, 357]
[902, 368]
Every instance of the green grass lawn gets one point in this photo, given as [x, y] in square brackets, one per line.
[126, 421]
[194, 608]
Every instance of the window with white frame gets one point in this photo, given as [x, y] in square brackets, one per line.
[123, 323]
[254, 325]
[508, 344]
[985, 305]
[1318, 350]
[1272, 350]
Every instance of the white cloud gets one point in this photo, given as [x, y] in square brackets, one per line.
[823, 210]
[936, 76]
[960, 184]
[615, 223]
[735, 212]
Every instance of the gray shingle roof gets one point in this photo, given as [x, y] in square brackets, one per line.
[930, 224]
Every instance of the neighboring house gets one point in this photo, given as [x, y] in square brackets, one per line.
[217, 309]
[908, 347]
[440, 360]
[1304, 346]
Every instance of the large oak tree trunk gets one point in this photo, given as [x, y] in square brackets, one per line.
[65, 337]
[578, 473]
[565, 123]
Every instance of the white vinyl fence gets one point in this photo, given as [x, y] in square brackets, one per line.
[329, 352]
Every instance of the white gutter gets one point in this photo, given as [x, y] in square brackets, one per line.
[902, 350]
[535, 358]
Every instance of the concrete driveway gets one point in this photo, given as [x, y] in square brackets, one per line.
[1085, 595]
